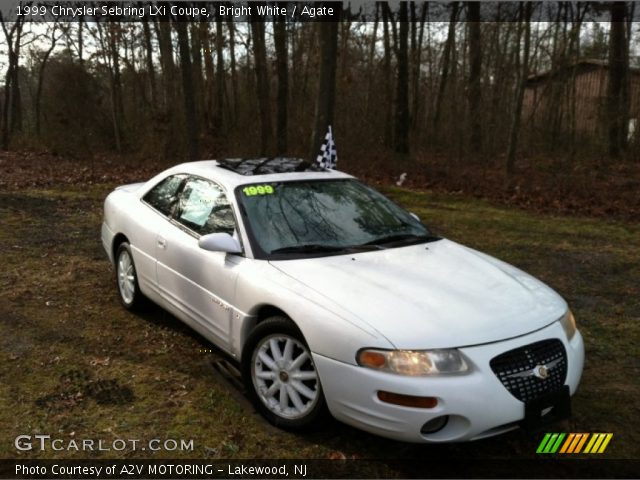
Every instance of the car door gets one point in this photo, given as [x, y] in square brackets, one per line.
[155, 211]
[199, 283]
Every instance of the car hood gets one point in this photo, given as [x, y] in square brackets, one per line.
[434, 295]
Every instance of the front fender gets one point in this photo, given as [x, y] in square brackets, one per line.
[327, 328]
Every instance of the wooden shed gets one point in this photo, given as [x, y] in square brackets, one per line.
[549, 101]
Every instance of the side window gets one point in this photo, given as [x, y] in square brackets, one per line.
[164, 196]
[204, 208]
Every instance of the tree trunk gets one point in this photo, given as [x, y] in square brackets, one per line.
[41, 69]
[232, 64]
[209, 106]
[327, 85]
[416, 61]
[264, 103]
[166, 123]
[475, 76]
[5, 111]
[167, 63]
[151, 72]
[626, 86]
[16, 95]
[574, 55]
[198, 80]
[191, 118]
[116, 90]
[386, 74]
[522, 81]
[81, 40]
[449, 46]
[9, 79]
[110, 52]
[345, 33]
[401, 140]
[218, 108]
[370, 63]
[280, 40]
[618, 65]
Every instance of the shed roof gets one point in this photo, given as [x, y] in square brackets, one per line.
[584, 65]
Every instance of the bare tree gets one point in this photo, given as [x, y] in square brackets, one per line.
[371, 57]
[475, 76]
[260, 56]
[618, 66]
[196, 67]
[449, 46]
[191, 117]
[43, 63]
[218, 113]
[282, 67]
[209, 73]
[163, 31]
[401, 139]
[523, 74]
[231, 28]
[12, 105]
[108, 39]
[325, 101]
[417, 38]
[151, 71]
[386, 73]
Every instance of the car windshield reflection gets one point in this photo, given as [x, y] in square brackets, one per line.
[325, 217]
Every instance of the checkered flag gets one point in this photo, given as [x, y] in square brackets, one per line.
[328, 156]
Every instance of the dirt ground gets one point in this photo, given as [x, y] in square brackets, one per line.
[75, 364]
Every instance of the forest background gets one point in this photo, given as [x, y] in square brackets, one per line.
[437, 90]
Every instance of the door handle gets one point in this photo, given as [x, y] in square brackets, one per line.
[162, 243]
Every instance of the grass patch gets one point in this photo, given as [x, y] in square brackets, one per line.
[75, 364]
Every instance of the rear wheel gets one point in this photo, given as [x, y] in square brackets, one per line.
[280, 375]
[127, 279]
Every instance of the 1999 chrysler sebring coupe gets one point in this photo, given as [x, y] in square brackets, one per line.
[333, 297]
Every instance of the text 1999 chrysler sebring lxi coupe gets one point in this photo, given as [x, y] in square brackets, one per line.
[333, 297]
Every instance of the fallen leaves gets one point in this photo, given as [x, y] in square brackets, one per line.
[103, 362]
[584, 188]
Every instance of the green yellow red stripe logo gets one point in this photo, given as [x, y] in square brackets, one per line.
[574, 443]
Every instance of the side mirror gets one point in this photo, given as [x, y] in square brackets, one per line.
[415, 216]
[219, 242]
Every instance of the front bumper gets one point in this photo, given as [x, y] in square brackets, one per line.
[477, 403]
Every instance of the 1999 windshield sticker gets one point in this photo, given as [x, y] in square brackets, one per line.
[257, 190]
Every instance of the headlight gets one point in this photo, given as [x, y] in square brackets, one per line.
[413, 362]
[568, 322]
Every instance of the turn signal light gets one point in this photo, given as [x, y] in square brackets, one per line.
[407, 400]
[372, 359]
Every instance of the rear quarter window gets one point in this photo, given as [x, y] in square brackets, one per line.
[164, 195]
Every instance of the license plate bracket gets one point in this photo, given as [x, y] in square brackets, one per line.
[550, 408]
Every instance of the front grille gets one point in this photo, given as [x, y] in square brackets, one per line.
[515, 369]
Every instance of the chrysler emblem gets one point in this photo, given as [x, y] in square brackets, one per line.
[541, 371]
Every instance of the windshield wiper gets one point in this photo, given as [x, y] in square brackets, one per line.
[372, 245]
[401, 237]
[308, 248]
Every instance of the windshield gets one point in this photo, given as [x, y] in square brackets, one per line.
[324, 217]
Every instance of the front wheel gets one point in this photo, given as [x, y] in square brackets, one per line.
[280, 375]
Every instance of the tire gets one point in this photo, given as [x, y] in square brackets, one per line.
[127, 279]
[290, 381]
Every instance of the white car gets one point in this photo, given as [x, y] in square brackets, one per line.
[333, 297]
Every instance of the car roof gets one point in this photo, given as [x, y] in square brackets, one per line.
[229, 178]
